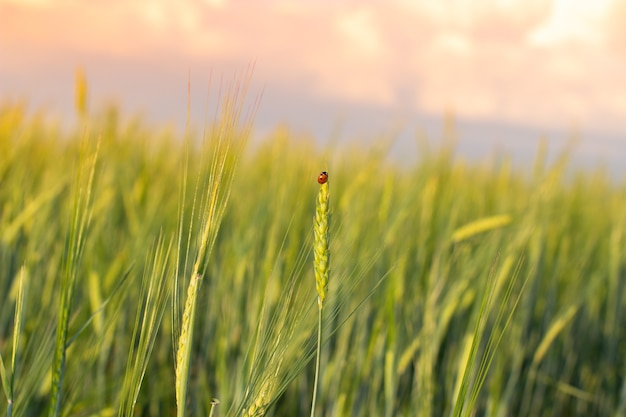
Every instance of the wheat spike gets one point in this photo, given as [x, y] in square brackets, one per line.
[321, 231]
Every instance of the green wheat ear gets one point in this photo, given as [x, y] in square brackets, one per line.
[321, 252]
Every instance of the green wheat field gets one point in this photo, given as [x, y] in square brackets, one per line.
[145, 273]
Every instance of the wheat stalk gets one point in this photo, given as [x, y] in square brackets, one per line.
[321, 262]
[226, 145]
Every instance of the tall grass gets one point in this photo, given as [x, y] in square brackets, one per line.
[503, 290]
[74, 247]
[220, 155]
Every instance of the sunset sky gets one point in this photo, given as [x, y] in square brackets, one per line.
[545, 66]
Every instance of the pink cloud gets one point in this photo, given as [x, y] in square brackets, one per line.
[528, 62]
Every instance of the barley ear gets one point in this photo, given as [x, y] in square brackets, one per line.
[321, 252]
[262, 401]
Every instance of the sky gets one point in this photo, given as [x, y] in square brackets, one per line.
[509, 71]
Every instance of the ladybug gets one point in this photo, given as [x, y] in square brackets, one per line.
[323, 177]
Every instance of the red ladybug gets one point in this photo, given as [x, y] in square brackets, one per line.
[322, 178]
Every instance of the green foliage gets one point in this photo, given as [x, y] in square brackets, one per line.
[474, 257]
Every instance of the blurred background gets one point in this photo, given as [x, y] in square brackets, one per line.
[506, 72]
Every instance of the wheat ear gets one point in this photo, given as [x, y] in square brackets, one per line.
[321, 252]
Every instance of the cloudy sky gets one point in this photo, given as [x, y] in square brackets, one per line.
[534, 66]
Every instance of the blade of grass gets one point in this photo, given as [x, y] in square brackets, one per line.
[8, 381]
[75, 243]
[154, 295]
